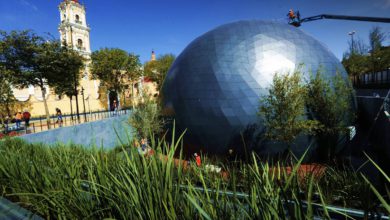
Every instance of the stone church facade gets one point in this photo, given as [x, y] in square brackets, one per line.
[75, 32]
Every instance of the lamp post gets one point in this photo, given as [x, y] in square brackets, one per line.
[89, 107]
[82, 94]
[352, 41]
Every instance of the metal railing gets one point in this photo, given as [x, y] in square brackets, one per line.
[372, 80]
[39, 124]
[335, 212]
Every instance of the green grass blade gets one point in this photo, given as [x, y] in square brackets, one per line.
[200, 210]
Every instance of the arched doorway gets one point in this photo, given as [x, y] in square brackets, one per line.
[112, 96]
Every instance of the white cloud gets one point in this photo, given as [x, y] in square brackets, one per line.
[28, 4]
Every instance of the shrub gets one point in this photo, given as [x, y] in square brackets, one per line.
[145, 118]
[330, 102]
[283, 109]
[71, 182]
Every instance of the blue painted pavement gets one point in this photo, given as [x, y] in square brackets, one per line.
[106, 133]
[12, 211]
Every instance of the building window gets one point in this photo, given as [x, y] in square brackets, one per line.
[78, 19]
[80, 44]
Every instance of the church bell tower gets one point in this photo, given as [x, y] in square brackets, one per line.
[74, 32]
[73, 28]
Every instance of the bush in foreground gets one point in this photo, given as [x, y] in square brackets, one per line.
[71, 182]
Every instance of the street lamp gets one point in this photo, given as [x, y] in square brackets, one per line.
[82, 93]
[351, 34]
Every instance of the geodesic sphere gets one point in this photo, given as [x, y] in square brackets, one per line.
[215, 84]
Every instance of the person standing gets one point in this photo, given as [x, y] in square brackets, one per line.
[26, 118]
[197, 159]
[115, 107]
[291, 14]
[144, 144]
[18, 119]
[59, 117]
[7, 121]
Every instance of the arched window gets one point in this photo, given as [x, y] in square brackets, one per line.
[78, 19]
[79, 43]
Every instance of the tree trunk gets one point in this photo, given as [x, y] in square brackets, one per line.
[77, 103]
[2, 122]
[132, 95]
[124, 98]
[71, 108]
[8, 109]
[77, 99]
[77, 108]
[43, 89]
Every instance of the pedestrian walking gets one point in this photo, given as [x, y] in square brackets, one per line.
[7, 121]
[18, 119]
[26, 118]
[115, 107]
[59, 117]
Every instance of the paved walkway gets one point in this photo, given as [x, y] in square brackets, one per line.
[107, 133]
[40, 124]
[12, 211]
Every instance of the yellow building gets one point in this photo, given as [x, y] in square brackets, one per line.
[75, 32]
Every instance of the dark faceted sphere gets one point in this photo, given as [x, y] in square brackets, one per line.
[215, 84]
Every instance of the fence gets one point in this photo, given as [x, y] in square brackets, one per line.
[39, 124]
[372, 80]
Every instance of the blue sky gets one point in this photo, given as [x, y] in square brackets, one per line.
[168, 26]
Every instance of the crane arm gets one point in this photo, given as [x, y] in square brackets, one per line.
[345, 17]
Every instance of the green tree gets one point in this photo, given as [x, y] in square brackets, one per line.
[158, 69]
[330, 102]
[385, 58]
[8, 103]
[68, 78]
[283, 109]
[356, 64]
[361, 59]
[115, 68]
[376, 38]
[25, 54]
[33, 60]
[355, 60]
[379, 58]
[7, 98]
[6, 95]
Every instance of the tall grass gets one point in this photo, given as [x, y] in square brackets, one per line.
[71, 182]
